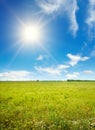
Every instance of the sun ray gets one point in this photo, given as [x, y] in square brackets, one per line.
[14, 57]
[49, 54]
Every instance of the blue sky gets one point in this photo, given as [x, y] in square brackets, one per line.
[66, 49]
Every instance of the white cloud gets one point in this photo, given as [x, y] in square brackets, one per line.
[88, 72]
[61, 66]
[15, 75]
[91, 18]
[50, 6]
[49, 70]
[72, 15]
[69, 7]
[74, 59]
[73, 75]
[40, 58]
[52, 70]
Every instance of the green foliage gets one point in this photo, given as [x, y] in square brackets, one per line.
[47, 105]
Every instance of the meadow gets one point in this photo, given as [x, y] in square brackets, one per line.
[47, 105]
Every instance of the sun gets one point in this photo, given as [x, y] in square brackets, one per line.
[31, 33]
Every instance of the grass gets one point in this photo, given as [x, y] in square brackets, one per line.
[47, 105]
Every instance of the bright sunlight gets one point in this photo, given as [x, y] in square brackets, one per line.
[31, 33]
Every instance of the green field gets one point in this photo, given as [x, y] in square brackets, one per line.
[47, 105]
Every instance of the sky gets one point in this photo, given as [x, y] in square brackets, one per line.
[65, 48]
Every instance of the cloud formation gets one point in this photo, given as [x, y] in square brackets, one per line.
[88, 72]
[61, 7]
[50, 6]
[91, 18]
[40, 58]
[72, 15]
[74, 59]
[73, 75]
[15, 75]
[52, 70]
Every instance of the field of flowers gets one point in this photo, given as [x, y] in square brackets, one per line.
[47, 105]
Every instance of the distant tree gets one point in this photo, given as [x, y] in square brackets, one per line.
[37, 80]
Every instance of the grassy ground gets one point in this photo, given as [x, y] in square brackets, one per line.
[47, 105]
